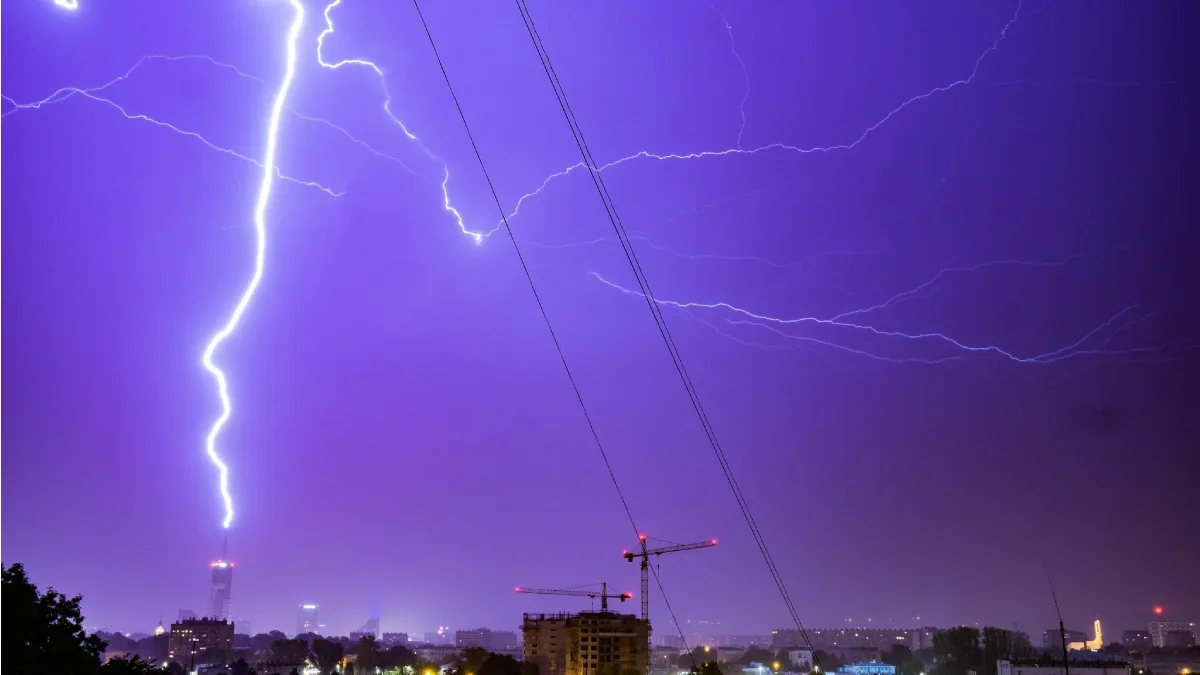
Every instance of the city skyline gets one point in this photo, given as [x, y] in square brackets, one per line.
[926, 267]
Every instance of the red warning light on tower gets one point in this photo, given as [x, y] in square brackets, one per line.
[1158, 609]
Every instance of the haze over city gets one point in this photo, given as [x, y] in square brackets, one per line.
[929, 267]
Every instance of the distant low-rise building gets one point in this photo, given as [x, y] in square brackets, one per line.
[202, 638]
[1052, 638]
[1137, 640]
[394, 639]
[475, 637]
[729, 654]
[504, 640]
[868, 668]
[802, 659]
[1052, 667]
[1171, 663]
[1164, 632]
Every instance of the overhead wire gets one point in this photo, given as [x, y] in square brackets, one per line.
[537, 296]
[656, 311]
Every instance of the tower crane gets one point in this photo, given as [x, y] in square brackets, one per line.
[645, 554]
[603, 594]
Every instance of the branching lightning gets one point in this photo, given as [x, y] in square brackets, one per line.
[93, 93]
[646, 154]
[819, 332]
[260, 250]
[745, 72]
[387, 109]
[774, 324]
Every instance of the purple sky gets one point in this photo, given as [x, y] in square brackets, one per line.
[404, 441]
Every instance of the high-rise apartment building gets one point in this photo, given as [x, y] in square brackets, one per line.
[306, 619]
[203, 638]
[588, 643]
[1172, 633]
[222, 586]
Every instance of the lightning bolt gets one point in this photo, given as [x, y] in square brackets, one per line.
[773, 324]
[745, 71]
[260, 249]
[65, 93]
[778, 146]
[477, 237]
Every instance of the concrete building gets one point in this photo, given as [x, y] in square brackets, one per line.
[306, 619]
[729, 654]
[1137, 641]
[1051, 667]
[475, 637]
[1170, 663]
[394, 639]
[588, 643]
[1164, 633]
[220, 593]
[1052, 638]
[829, 639]
[203, 637]
[505, 640]
[802, 659]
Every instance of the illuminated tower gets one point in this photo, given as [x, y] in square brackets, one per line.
[222, 586]
[306, 619]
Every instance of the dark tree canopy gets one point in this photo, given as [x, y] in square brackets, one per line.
[43, 632]
[327, 654]
[955, 651]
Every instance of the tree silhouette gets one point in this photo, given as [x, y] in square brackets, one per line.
[43, 632]
[367, 650]
[955, 651]
[327, 654]
[134, 665]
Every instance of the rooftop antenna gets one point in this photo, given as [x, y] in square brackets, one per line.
[1062, 632]
[225, 549]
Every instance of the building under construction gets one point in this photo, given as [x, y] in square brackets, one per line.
[587, 643]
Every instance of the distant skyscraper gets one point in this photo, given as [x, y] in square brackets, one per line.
[371, 627]
[306, 619]
[186, 614]
[222, 586]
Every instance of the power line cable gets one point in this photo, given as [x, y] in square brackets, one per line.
[537, 298]
[655, 310]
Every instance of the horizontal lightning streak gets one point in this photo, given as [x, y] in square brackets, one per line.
[65, 93]
[192, 134]
[646, 154]
[752, 318]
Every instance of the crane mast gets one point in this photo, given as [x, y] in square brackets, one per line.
[644, 553]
